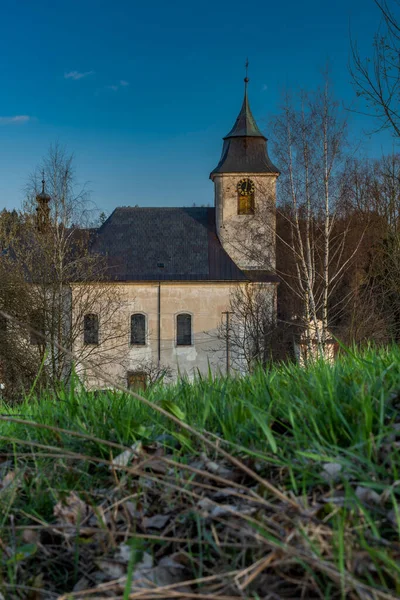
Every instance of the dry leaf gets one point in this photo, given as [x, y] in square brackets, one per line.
[72, 511]
[167, 572]
[367, 495]
[217, 469]
[82, 584]
[111, 568]
[392, 516]
[145, 573]
[133, 510]
[362, 563]
[331, 471]
[30, 536]
[156, 522]
[158, 466]
[99, 517]
[116, 568]
[123, 555]
[338, 498]
[5, 465]
[122, 460]
[206, 504]
[228, 491]
[7, 480]
[222, 510]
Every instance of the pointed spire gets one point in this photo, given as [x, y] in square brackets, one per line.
[245, 148]
[43, 209]
[43, 196]
[245, 124]
[246, 79]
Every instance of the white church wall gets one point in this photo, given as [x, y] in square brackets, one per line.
[206, 302]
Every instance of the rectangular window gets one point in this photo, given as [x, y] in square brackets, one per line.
[136, 381]
[184, 330]
[91, 329]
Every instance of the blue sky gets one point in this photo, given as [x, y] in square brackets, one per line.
[142, 92]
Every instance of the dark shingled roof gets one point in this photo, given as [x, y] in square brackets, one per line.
[245, 147]
[184, 240]
[245, 155]
[245, 124]
[260, 275]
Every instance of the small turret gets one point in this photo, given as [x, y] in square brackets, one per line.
[43, 209]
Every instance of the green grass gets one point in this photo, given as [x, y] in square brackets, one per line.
[284, 425]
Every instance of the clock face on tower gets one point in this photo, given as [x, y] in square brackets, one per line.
[245, 187]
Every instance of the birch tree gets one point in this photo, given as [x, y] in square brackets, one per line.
[309, 146]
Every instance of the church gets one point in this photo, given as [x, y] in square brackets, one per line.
[176, 268]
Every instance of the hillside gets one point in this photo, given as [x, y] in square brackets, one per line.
[282, 484]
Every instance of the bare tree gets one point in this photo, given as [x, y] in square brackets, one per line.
[377, 81]
[309, 143]
[72, 303]
[374, 188]
[154, 372]
[377, 78]
[384, 282]
[372, 202]
[19, 362]
[248, 326]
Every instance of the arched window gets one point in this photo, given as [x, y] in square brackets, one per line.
[246, 205]
[37, 324]
[3, 325]
[245, 189]
[91, 329]
[138, 329]
[184, 330]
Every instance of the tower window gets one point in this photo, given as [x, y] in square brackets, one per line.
[246, 205]
[91, 329]
[138, 329]
[184, 330]
[245, 190]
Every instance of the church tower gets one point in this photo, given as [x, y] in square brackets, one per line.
[245, 194]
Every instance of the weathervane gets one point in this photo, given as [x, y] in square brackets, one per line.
[246, 79]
